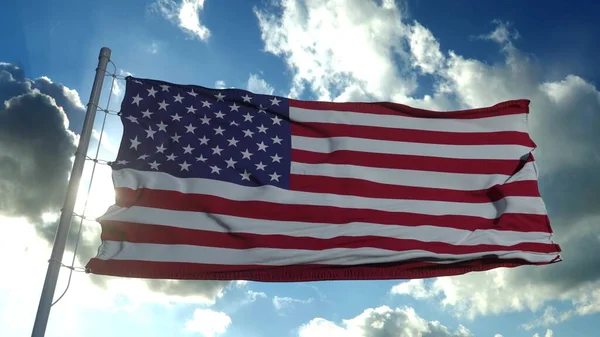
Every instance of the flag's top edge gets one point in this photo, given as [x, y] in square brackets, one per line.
[509, 107]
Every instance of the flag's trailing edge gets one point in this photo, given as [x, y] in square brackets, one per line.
[228, 184]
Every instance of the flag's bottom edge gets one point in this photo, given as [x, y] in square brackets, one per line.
[295, 273]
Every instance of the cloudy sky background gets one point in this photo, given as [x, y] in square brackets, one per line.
[433, 54]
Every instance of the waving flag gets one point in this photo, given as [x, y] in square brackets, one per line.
[229, 184]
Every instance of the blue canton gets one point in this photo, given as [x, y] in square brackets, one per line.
[189, 131]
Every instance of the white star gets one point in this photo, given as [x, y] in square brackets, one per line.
[262, 129]
[248, 133]
[234, 107]
[191, 109]
[154, 165]
[275, 101]
[147, 113]
[190, 128]
[192, 93]
[178, 98]
[143, 157]
[262, 146]
[219, 131]
[203, 140]
[160, 148]
[205, 120]
[277, 140]
[260, 166]
[276, 158]
[134, 143]
[247, 98]
[245, 175]
[165, 87]
[136, 100]
[246, 154]
[219, 114]
[172, 156]
[132, 119]
[176, 117]
[138, 82]
[220, 97]
[232, 141]
[217, 150]
[206, 104]
[152, 92]
[248, 117]
[163, 105]
[201, 158]
[215, 169]
[234, 123]
[122, 162]
[274, 176]
[150, 133]
[175, 138]
[162, 126]
[262, 109]
[184, 166]
[231, 163]
[188, 149]
[276, 120]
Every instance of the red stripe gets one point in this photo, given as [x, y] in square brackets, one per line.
[409, 162]
[167, 235]
[294, 273]
[178, 201]
[388, 108]
[368, 189]
[326, 130]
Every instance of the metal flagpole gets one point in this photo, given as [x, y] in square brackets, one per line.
[60, 240]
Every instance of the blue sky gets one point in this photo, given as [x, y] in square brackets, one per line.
[432, 54]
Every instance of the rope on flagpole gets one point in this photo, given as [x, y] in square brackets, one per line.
[95, 162]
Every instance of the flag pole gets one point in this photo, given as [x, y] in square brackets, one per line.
[60, 240]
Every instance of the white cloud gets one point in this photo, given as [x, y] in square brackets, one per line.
[549, 333]
[281, 303]
[153, 47]
[330, 46]
[220, 84]
[258, 85]
[380, 322]
[550, 317]
[186, 14]
[208, 323]
[502, 34]
[379, 64]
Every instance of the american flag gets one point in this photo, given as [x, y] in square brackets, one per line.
[233, 185]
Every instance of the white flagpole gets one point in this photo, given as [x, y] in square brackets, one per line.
[60, 240]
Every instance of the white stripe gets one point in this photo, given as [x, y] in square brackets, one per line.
[454, 181]
[232, 224]
[121, 250]
[517, 122]
[161, 181]
[332, 144]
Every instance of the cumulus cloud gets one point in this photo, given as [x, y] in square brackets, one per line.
[208, 323]
[381, 322]
[367, 50]
[36, 150]
[258, 85]
[186, 14]
[36, 146]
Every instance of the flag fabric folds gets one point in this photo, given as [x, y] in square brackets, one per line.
[228, 184]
